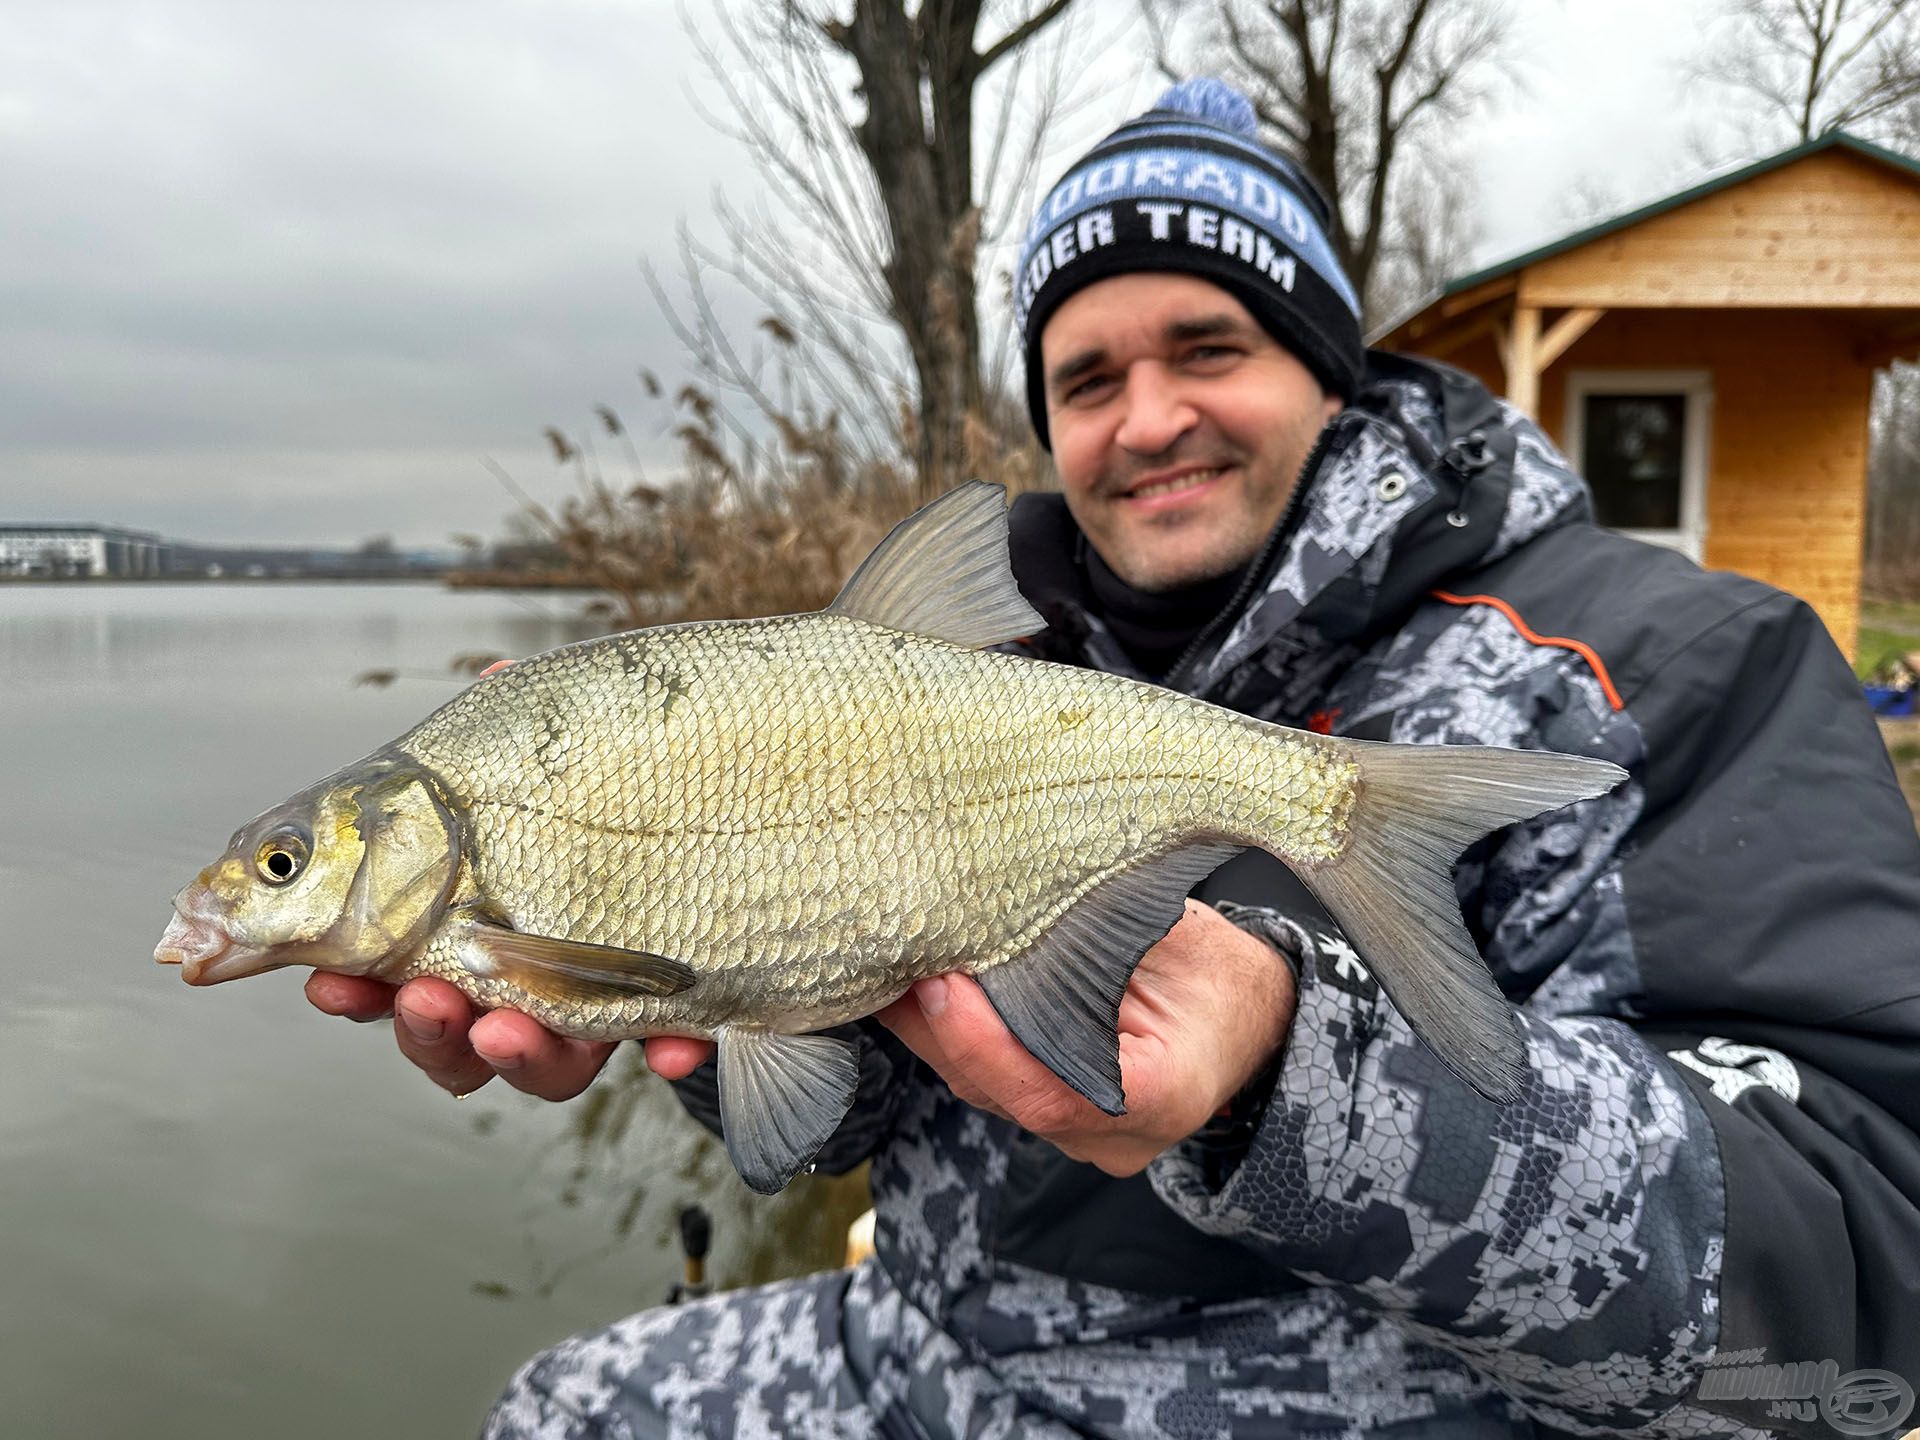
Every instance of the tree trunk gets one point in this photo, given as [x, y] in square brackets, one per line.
[918, 75]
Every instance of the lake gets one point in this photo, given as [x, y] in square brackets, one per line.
[222, 1213]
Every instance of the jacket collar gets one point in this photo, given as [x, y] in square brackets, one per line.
[1424, 477]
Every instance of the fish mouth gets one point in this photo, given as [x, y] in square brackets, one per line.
[201, 947]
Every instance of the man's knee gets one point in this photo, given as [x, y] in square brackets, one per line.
[692, 1371]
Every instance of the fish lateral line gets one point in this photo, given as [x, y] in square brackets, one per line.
[958, 804]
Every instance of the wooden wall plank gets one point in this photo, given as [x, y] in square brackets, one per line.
[1787, 456]
[1832, 229]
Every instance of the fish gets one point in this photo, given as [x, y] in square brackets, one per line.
[756, 831]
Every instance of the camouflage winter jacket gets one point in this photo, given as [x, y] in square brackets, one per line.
[1714, 1164]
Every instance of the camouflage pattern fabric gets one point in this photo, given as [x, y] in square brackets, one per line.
[844, 1355]
[1473, 1270]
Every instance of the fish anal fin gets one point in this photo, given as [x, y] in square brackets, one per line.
[574, 970]
[1061, 997]
[781, 1098]
[944, 572]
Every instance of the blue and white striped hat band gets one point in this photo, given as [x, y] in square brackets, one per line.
[1187, 188]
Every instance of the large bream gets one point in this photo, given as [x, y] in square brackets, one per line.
[753, 830]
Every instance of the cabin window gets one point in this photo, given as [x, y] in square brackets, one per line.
[1640, 439]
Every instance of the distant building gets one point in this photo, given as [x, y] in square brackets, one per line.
[80, 551]
[87, 552]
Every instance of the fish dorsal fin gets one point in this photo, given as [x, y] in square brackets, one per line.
[944, 572]
[1061, 998]
[781, 1098]
[572, 970]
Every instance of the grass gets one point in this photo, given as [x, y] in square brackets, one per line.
[1889, 629]
[1902, 615]
[1879, 647]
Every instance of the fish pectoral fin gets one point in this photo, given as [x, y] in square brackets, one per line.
[781, 1097]
[1061, 998]
[944, 572]
[575, 970]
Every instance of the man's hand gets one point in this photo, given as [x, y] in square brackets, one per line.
[438, 1030]
[1206, 1009]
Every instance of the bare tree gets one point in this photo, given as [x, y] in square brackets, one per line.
[896, 141]
[1893, 485]
[1359, 92]
[1821, 65]
[1429, 237]
[1903, 127]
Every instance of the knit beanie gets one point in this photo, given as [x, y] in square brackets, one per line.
[1188, 187]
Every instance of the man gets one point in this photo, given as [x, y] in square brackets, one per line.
[1305, 1223]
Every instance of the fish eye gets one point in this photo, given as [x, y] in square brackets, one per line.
[281, 857]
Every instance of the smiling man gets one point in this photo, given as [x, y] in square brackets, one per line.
[1304, 1223]
[1179, 426]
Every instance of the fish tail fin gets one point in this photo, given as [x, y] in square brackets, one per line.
[1416, 808]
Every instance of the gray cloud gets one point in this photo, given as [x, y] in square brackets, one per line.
[288, 272]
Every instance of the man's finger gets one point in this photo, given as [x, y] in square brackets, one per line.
[674, 1057]
[920, 1020]
[909, 1022]
[351, 997]
[907, 1017]
[430, 1022]
[951, 1024]
[981, 1049]
[531, 1058]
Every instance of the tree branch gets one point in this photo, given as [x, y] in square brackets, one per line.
[1020, 34]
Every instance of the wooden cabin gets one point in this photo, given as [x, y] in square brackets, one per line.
[1708, 360]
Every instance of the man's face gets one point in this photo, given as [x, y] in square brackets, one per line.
[1179, 425]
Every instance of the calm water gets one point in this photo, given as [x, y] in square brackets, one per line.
[221, 1213]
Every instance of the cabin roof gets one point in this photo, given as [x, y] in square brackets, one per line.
[1907, 166]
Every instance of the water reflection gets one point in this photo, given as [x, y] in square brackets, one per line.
[220, 1205]
[762, 1238]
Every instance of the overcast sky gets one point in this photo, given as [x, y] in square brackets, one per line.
[290, 272]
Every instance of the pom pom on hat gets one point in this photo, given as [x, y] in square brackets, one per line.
[1214, 101]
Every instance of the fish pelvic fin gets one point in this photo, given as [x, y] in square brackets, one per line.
[944, 572]
[1061, 997]
[1417, 807]
[781, 1099]
[569, 971]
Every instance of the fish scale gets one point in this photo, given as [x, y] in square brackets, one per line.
[753, 831]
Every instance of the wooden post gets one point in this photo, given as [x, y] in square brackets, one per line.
[1564, 331]
[1521, 353]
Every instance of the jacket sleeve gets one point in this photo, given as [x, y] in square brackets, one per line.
[1713, 1165]
[885, 1081]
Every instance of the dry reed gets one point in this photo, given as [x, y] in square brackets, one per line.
[748, 526]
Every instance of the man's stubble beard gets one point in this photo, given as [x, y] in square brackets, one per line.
[1242, 549]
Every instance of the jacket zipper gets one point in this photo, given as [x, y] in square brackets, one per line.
[1256, 572]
